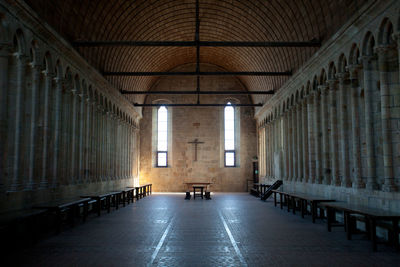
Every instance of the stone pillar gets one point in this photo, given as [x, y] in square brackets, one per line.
[294, 142]
[334, 132]
[73, 136]
[88, 139]
[318, 136]
[32, 103]
[65, 125]
[304, 117]
[311, 137]
[81, 115]
[4, 54]
[289, 134]
[15, 124]
[369, 122]
[93, 143]
[299, 149]
[326, 159]
[45, 129]
[355, 122]
[385, 54]
[343, 126]
[57, 132]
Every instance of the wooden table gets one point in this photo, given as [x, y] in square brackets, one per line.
[291, 198]
[66, 205]
[371, 216]
[190, 185]
[104, 197]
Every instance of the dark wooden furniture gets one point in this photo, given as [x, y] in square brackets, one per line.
[291, 198]
[205, 185]
[104, 199]
[371, 217]
[71, 207]
[259, 189]
[130, 194]
[12, 222]
[198, 187]
[268, 192]
[143, 190]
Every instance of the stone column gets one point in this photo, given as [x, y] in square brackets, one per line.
[32, 102]
[81, 112]
[289, 134]
[318, 136]
[294, 142]
[334, 132]
[15, 124]
[343, 126]
[64, 125]
[88, 139]
[311, 137]
[299, 149]
[385, 54]
[45, 129]
[4, 54]
[57, 132]
[326, 159]
[304, 115]
[355, 122]
[73, 135]
[93, 143]
[369, 122]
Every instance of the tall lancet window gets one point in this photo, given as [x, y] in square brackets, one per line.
[229, 135]
[162, 137]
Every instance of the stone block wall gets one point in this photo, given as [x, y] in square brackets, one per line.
[336, 120]
[204, 124]
[64, 131]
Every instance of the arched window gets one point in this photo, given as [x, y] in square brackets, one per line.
[162, 137]
[229, 136]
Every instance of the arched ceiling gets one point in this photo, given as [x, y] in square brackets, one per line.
[174, 20]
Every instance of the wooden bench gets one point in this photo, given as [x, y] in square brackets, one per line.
[201, 188]
[291, 198]
[105, 198]
[259, 189]
[130, 194]
[70, 207]
[372, 218]
[27, 219]
[143, 190]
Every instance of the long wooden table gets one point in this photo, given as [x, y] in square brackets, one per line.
[291, 197]
[67, 205]
[197, 184]
[371, 217]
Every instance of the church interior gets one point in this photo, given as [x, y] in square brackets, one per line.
[200, 132]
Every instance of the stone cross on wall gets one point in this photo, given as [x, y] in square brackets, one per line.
[195, 142]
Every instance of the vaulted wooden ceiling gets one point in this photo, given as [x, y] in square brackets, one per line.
[174, 20]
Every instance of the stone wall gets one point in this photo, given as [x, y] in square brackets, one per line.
[203, 123]
[336, 121]
[64, 131]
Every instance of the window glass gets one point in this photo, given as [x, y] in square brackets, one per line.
[162, 136]
[229, 135]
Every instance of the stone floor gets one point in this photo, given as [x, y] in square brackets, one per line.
[229, 230]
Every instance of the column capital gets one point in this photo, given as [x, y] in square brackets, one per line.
[342, 76]
[5, 49]
[382, 50]
[366, 60]
[396, 37]
[332, 84]
[353, 70]
[322, 88]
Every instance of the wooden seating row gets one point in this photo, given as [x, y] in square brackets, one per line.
[351, 213]
[68, 210]
[259, 189]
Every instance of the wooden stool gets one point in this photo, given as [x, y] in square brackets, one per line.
[201, 190]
